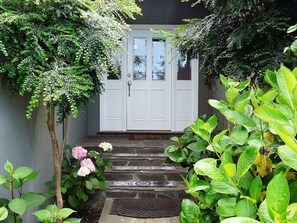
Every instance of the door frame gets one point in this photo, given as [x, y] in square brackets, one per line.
[122, 127]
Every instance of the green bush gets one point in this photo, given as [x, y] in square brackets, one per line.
[250, 169]
[12, 210]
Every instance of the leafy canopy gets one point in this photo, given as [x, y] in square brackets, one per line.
[240, 39]
[58, 50]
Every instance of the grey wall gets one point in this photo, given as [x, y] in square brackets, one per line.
[93, 116]
[27, 143]
[204, 95]
[167, 12]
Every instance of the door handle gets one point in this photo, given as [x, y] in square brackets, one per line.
[129, 88]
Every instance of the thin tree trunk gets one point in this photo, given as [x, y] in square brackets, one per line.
[51, 122]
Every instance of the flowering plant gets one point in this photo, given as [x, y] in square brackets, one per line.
[82, 173]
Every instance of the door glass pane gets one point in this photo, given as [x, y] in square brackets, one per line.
[183, 67]
[158, 68]
[139, 59]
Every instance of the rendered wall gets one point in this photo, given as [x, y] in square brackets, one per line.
[26, 142]
[168, 12]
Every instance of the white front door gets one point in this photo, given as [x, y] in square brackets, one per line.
[148, 82]
[157, 90]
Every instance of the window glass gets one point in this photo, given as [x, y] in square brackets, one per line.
[139, 59]
[158, 59]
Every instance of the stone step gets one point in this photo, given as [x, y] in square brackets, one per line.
[143, 176]
[143, 168]
[112, 156]
[142, 183]
[128, 193]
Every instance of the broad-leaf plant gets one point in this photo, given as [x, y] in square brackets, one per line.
[246, 172]
[58, 51]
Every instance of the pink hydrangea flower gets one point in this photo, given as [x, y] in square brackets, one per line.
[88, 164]
[79, 152]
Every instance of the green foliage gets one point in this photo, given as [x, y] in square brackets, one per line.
[249, 174]
[241, 39]
[58, 50]
[52, 214]
[78, 189]
[13, 210]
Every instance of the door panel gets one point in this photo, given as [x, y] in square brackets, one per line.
[149, 101]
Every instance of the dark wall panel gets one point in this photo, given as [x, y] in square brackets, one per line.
[167, 12]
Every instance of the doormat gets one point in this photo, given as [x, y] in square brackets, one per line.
[146, 208]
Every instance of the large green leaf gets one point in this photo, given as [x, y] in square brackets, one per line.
[198, 130]
[240, 220]
[243, 85]
[288, 156]
[218, 105]
[246, 160]
[242, 101]
[239, 118]
[2, 179]
[171, 149]
[278, 197]
[223, 188]
[268, 96]
[292, 211]
[292, 29]
[18, 205]
[190, 212]
[211, 124]
[230, 169]
[246, 180]
[198, 146]
[286, 136]
[3, 213]
[270, 114]
[293, 48]
[245, 208]
[207, 167]
[239, 135]
[231, 94]
[256, 188]
[263, 213]
[22, 172]
[218, 137]
[33, 199]
[64, 213]
[270, 77]
[43, 215]
[8, 167]
[286, 82]
[224, 80]
[226, 207]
